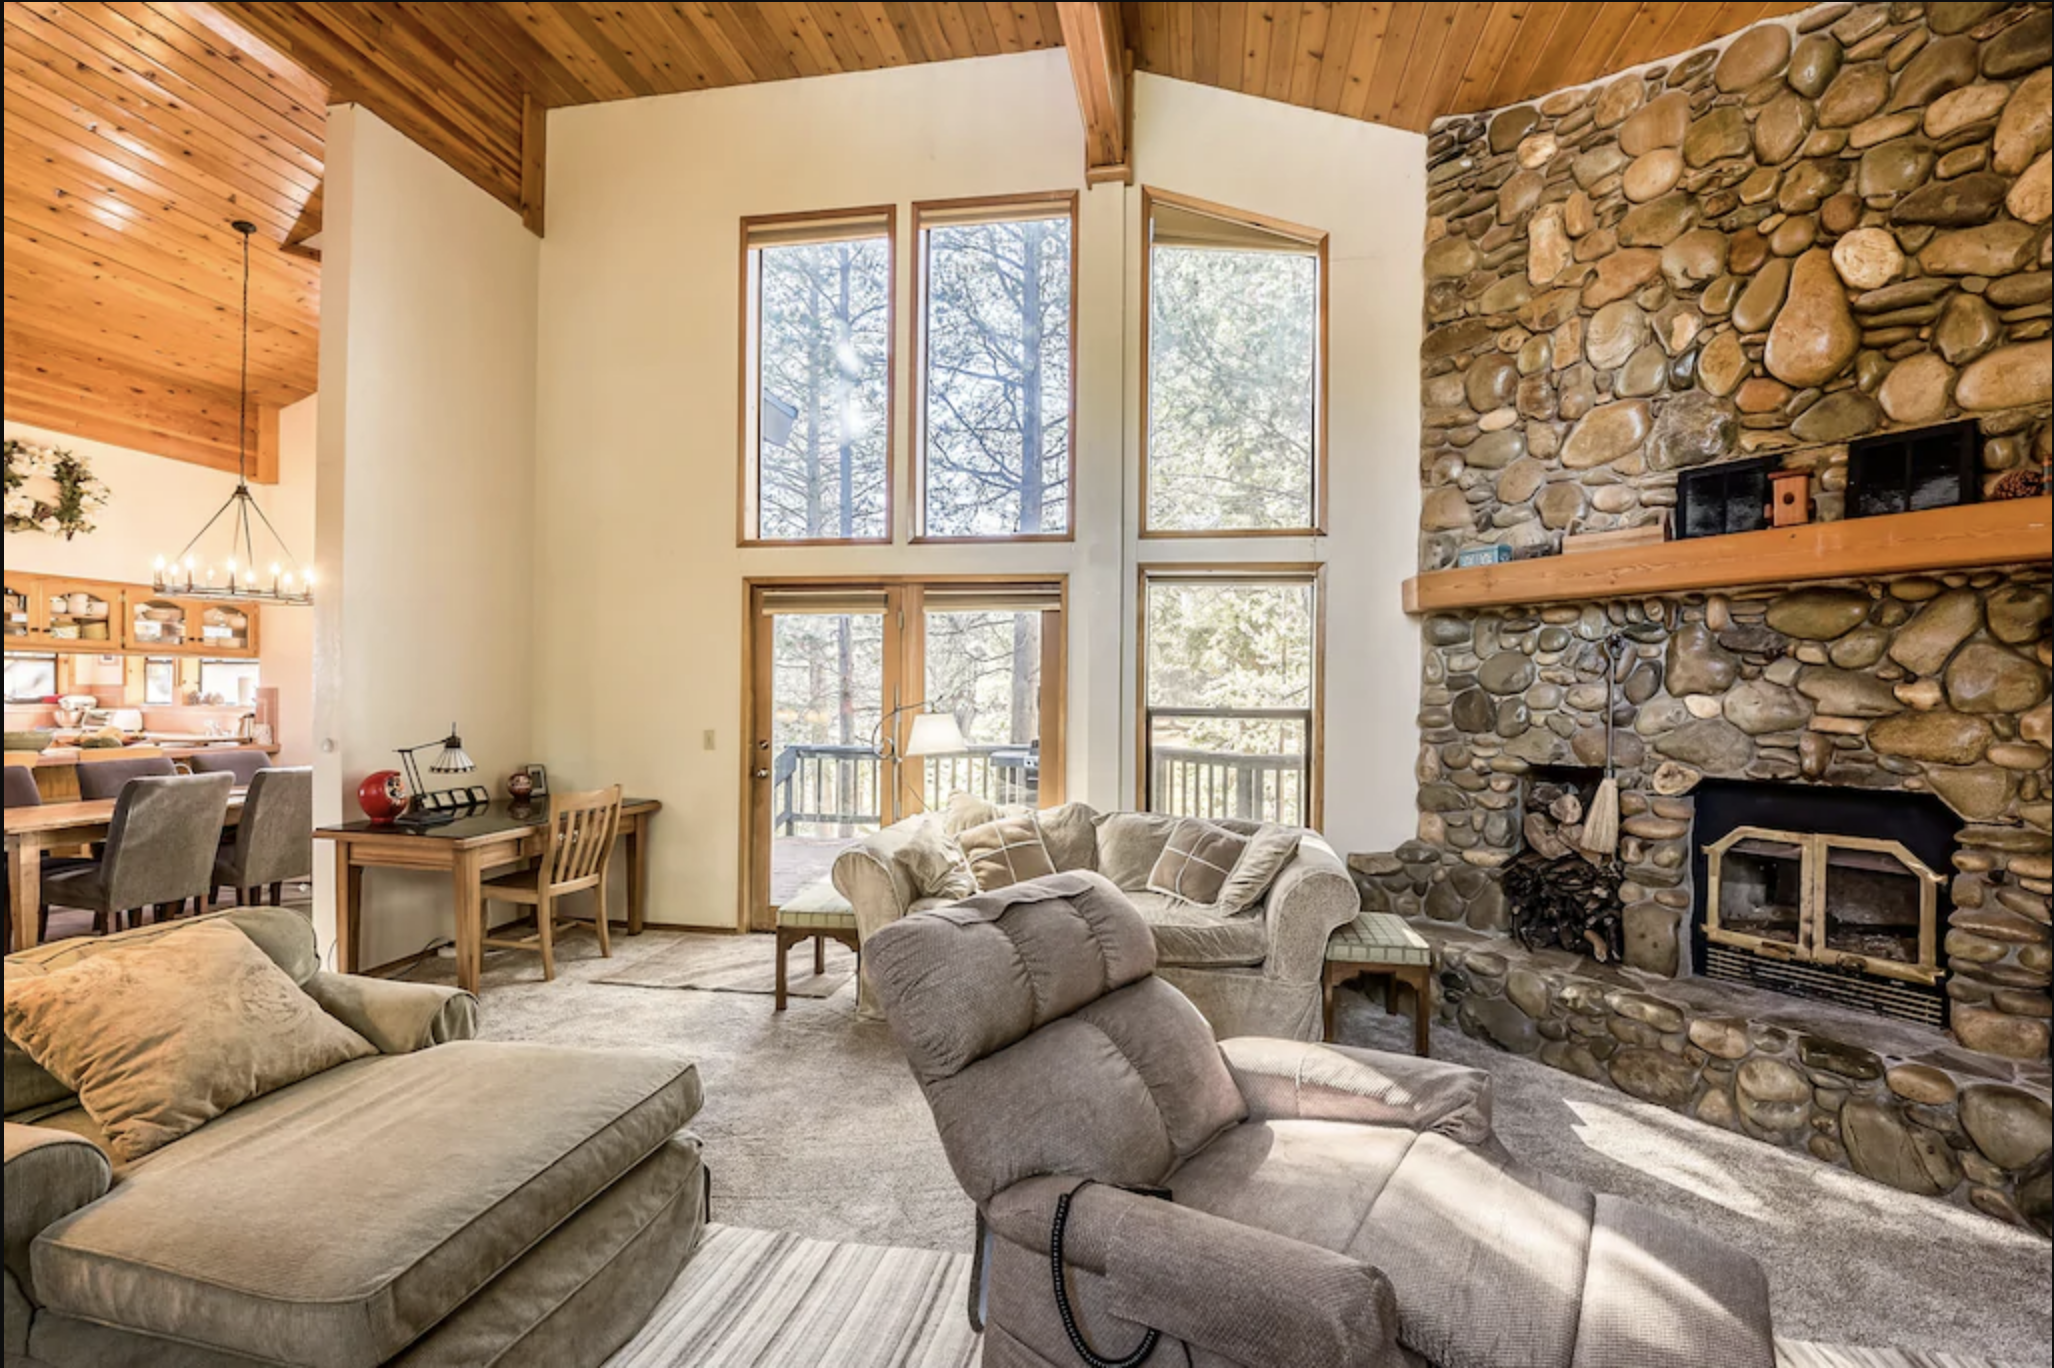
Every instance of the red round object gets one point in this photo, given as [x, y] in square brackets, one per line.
[383, 795]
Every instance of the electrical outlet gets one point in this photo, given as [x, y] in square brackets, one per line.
[710, 743]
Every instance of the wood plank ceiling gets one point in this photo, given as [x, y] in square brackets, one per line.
[134, 134]
[136, 131]
[1409, 64]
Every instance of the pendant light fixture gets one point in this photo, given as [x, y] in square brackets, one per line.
[241, 572]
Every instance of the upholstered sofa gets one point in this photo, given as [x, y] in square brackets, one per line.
[445, 1201]
[1260, 1203]
[1257, 973]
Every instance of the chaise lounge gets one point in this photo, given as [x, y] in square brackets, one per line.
[1318, 1205]
[442, 1201]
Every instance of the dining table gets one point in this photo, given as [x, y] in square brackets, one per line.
[32, 831]
[467, 849]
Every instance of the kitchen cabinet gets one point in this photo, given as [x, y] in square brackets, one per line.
[103, 617]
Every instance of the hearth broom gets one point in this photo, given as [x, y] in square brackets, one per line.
[1601, 823]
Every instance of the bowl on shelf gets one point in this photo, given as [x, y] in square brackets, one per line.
[161, 614]
[29, 740]
[92, 631]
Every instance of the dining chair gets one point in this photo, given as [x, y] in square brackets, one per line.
[245, 765]
[576, 856]
[161, 844]
[274, 839]
[22, 792]
[104, 779]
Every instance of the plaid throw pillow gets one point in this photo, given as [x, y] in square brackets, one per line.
[1006, 852]
[1194, 865]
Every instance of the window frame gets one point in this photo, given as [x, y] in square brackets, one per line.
[244, 662]
[748, 527]
[916, 474]
[1314, 238]
[1313, 573]
[56, 671]
[151, 662]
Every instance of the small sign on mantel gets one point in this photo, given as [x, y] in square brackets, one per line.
[1651, 534]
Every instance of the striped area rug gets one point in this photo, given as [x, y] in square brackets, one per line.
[767, 1299]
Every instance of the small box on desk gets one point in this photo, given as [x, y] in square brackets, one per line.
[1483, 555]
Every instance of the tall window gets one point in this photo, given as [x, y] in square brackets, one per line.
[1230, 693]
[160, 681]
[997, 320]
[817, 389]
[1235, 309]
[987, 652]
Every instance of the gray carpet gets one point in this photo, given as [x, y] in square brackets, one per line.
[733, 964]
[813, 1126]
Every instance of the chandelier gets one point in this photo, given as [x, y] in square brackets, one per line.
[239, 574]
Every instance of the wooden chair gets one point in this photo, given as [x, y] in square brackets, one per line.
[582, 827]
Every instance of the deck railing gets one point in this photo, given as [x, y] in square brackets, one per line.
[1253, 786]
[838, 786]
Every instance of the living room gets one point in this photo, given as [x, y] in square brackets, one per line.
[906, 455]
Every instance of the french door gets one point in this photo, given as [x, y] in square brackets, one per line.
[838, 673]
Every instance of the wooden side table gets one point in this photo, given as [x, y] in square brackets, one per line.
[1380, 943]
[819, 914]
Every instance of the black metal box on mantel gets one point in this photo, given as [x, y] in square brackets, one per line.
[1732, 496]
[1907, 472]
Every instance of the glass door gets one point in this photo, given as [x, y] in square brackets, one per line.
[986, 655]
[818, 770]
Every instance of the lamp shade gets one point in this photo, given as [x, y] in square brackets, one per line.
[453, 760]
[935, 734]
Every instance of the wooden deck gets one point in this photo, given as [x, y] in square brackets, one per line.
[796, 861]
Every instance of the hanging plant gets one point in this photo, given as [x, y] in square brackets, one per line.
[51, 490]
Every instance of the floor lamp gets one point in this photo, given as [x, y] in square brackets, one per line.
[932, 734]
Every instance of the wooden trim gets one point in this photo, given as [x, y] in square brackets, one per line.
[2009, 533]
[746, 513]
[916, 463]
[1100, 67]
[1317, 240]
[534, 159]
[1230, 572]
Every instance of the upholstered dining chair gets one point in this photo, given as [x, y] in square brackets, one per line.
[23, 792]
[104, 779]
[577, 856]
[274, 839]
[21, 787]
[160, 849]
[245, 765]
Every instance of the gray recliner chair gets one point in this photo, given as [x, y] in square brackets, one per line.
[1326, 1207]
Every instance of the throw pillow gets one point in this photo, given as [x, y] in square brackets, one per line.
[1128, 844]
[935, 865]
[1269, 850]
[1196, 861]
[1071, 835]
[1006, 852]
[161, 1038]
[966, 810]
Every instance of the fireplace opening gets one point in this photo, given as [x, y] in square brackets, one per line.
[1824, 893]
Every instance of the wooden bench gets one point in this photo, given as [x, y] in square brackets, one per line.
[1380, 943]
[819, 914]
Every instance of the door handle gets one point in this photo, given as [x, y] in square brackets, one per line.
[763, 774]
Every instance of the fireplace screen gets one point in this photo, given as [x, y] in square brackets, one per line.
[1844, 902]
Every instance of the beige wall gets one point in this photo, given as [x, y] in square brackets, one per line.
[637, 572]
[426, 488]
[157, 504]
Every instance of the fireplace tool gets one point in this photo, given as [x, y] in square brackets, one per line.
[1601, 823]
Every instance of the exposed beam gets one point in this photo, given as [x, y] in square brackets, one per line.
[1093, 37]
[534, 158]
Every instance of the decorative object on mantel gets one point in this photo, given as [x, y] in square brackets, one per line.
[1908, 472]
[51, 490]
[1647, 534]
[520, 786]
[1732, 496]
[1790, 498]
[1497, 553]
[382, 795]
[434, 807]
[538, 780]
[239, 577]
[2029, 483]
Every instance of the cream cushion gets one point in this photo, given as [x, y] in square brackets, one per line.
[935, 865]
[1071, 834]
[1268, 851]
[1006, 852]
[159, 1038]
[1128, 843]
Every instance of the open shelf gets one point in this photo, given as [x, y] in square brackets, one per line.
[2015, 532]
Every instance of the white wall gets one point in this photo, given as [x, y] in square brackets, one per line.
[426, 489]
[637, 571]
[157, 504]
[1366, 186]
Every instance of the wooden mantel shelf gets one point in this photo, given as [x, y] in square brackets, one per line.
[2011, 533]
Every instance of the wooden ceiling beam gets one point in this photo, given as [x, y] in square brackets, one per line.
[1096, 43]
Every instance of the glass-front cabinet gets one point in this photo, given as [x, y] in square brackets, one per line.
[105, 617]
[79, 614]
[15, 618]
